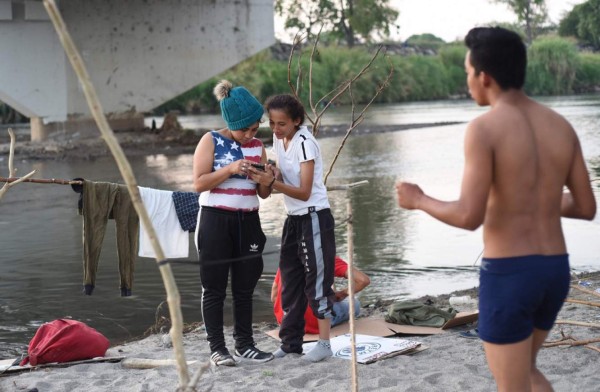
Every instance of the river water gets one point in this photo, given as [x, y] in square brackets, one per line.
[406, 253]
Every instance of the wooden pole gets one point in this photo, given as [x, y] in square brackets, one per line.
[173, 297]
[351, 297]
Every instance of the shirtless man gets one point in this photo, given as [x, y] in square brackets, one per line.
[518, 157]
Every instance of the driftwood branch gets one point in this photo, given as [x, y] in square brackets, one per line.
[145, 363]
[11, 169]
[346, 187]
[570, 341]
[173, 297]
[587, 291]
[577, 301]
[592, 347]
[580, 323]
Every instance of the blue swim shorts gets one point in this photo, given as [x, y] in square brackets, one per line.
[518, 294]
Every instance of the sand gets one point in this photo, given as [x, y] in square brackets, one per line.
[450, 363]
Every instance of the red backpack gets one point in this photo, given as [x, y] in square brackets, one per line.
[63, 341]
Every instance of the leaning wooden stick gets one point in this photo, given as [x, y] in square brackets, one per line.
[173, 297]
[11, 169]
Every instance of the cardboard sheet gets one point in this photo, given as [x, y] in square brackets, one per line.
[379, 327]
[369, 349]
[365, 326]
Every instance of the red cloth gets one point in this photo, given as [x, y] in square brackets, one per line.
[311, 325]
[65, 340]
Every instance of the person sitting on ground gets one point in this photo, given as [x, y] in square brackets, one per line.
[341, 307]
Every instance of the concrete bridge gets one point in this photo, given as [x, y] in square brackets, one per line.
[139, 54]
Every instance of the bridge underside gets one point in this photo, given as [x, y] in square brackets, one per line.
[139, 54]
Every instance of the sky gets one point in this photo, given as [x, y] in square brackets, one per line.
[452, 19]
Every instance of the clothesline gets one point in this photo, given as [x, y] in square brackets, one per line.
[70, 182]
[42, 181]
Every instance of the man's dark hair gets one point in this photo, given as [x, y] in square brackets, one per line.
[500, 53]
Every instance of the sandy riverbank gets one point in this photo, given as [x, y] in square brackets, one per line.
[450, 362]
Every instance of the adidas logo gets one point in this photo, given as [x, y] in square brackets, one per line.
[253, 247]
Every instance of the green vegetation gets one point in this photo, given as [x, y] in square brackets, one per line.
[588, 73]
[551, 67]
[583, 23]
[555, 67]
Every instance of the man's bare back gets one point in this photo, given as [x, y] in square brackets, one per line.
[519, 156]
[533, 150]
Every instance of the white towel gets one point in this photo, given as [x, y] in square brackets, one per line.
[173, 240]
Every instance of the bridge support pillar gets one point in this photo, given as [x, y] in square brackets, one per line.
[84, 128]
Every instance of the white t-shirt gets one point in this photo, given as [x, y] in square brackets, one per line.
[302, 148]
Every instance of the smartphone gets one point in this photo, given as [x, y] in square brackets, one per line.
[259, 166]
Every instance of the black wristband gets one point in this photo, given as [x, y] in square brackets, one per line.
[272, 182]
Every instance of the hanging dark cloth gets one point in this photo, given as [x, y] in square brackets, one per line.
[186, 208]
[101, 201]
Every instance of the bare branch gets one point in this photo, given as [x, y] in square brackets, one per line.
[297, 39]
[357, 121]
[349, 83]
[11, 181]
[310, 69]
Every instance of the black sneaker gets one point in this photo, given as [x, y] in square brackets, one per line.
[222, 358]
[251, 353]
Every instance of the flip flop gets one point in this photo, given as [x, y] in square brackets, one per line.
[470, 334]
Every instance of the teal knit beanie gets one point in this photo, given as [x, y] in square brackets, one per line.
[239, 108]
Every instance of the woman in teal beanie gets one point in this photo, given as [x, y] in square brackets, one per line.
[229, 234]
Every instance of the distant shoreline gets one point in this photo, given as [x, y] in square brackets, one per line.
[143, 143]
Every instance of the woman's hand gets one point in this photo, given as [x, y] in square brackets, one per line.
[240, 167]
[263, 177]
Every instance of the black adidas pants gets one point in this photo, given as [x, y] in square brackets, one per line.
[229, 242]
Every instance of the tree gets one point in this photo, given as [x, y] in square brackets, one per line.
[532, 13]
[583, 22]
[345, 20]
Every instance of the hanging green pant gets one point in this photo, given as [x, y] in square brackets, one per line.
[103, 201]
